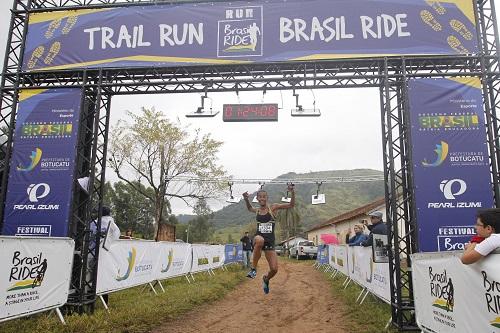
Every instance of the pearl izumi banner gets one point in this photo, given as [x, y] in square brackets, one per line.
[452, 297]
[34, 274]
[450, 160]
[247, 32]
[128, 263]
[41, 174]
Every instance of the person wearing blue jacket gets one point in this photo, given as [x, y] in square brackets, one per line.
[359, 236]
[378, 227]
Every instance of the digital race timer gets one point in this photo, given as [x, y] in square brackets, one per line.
[250, 112]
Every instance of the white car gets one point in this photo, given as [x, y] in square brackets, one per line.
[304, 249]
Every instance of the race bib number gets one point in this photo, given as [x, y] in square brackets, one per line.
[266, 228]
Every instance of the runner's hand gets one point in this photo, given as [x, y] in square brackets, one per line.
[245, 195]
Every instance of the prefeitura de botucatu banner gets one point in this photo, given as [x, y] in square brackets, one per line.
[41, 176]
[240, 32]
[450, 160]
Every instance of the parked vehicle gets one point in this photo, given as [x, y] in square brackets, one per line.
[304, 249]
[280, 250]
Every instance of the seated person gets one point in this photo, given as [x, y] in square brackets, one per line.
[487, 226]
[358, 237]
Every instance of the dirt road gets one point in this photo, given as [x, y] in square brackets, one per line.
[299, 301]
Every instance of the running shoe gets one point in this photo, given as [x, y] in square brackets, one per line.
[265, 284]
[252, 274]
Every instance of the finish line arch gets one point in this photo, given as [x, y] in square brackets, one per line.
[27, 69]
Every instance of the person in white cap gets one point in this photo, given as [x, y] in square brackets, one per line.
[377, 227]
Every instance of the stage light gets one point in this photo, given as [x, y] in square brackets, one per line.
[299, 111]
[231, 198]
[201, 112]
[318, 198]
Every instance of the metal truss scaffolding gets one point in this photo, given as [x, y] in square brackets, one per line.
[390, 75]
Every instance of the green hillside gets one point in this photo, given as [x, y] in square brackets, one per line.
[340, 198]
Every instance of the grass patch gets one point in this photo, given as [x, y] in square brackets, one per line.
[370, 317]
[137, 309]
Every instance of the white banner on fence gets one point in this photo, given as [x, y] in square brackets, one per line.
[175, 260]
[341, 261]
[202, 258]
[217, 256]
[34, 274]
[452, 297]
[362, 269]
[128, 263]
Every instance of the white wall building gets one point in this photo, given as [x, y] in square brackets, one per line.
[341, 225]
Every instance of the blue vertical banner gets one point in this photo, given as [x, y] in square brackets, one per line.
[41, 175]
[322, 256]
[450, 160]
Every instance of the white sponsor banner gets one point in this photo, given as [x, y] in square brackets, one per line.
[34, 274]
[202, 258]
[452, 297]
[216, 256]
[341, 259]
[359, 264]
[380, 283]
[371, 275]
[331, 256]
[174, 259]
[128, 263]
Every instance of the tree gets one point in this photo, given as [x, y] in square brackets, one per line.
[131, 210]
[288, 220]
[162, 154]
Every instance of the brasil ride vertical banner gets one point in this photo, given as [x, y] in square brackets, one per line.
[450, 160]
[41, 176]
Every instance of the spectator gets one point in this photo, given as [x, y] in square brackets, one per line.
[128, 234]
[109, 233]
[247, 249]
[358, 237]
[109, 230]
[487, 226]
[377, 227]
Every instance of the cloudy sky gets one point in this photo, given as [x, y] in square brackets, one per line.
[346, 136]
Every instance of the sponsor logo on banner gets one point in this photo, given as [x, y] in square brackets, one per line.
[451, 238]
[170, 261]
[241, 32]
[452, 189]
[442, 290]
[46, 130]
[492, 298]
[131, 262]
[456, 158]
[26, 272]
[33, 230]
[35, 158]
[215, 259]
[55, 164]
[467, 158]
[36, 192]
[441, 152]
[457, 121]
[203, 261]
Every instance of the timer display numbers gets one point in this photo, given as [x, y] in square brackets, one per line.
[250, 112]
